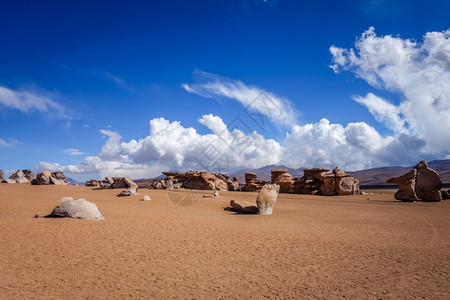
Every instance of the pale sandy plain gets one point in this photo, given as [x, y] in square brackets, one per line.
[312, 247]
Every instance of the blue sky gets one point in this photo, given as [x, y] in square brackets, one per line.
[98, 88]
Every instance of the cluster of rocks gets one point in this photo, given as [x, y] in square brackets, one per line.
[265, 201]
[421, 183]
[42, 178]
[317, 181]
[252, 183]
[196, 180]
[129, 186]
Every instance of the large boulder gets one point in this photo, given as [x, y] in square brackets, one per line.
[328, 185]
[43, 178]
[18, 177]
[252, 183]
[28, 174]
[244, 207]
[266, 198]
[283, 179]
[78, 209]
[406, 186]
[428, 183]
[131, 187]
[421, 183]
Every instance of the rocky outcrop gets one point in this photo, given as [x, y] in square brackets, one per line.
[196, 180]
[252, 183]
[283, 179]
[421, 183]
[78, 209]
[266, 198]
[19, 177]
[92, 182]
[46, 178]
[1, 175]
[131, 187]
[316, 181]
[243, 207]
[28, 174]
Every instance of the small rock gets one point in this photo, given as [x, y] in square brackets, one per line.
[146, 198]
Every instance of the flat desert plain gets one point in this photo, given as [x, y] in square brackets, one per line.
[179, 245]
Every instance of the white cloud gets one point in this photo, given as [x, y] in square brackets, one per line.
[171, 146]
[73, 152]
[28, 102]
[279, 110]
[418, 72]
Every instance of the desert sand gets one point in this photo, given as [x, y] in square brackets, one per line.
[357, 247]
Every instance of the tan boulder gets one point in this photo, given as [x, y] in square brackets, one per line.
[252, 183]
[283, 179]
[328, 185]
[19, 177]
[267, 198]
[43, 178]
[244, 207]
[78, 209]
[28, 174]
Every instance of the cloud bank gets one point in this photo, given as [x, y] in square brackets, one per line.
[418, 72]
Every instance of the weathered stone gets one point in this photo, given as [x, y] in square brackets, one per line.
[283, 179]
[347, 186]
[252, 183]
[299, 186]
[266, 198]
[92, 182]
[328, 185]
[60, 177]
[131, 189]
[43, 178]
[445, 195]
[79, 209]
[109, 180]
[119, 183]
[169, 185]
[19, 177]
[28, 174]
[244, 207]
[428, 183]
[406, 186]
[1, 174]
[55, 181]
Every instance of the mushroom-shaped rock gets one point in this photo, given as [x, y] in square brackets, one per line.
[406, 186]
[78, 209]
[266, 198]
[244, 207]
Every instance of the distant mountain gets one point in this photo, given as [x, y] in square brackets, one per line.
[73, 181]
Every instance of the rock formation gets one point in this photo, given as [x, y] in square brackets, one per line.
[316, 181]
[196, 180]
[28, 174]
[283, 179]
[252, 183]
[46, 178]
[79, 209]
[1, 174]
[19, 177]
[266, 198]
[244, 207]
[131, 187]
[421, 183]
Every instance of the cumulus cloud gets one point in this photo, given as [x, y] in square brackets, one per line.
[418, 72]
[279, 110]
[28, 102]
[73, 152]
[171, 146]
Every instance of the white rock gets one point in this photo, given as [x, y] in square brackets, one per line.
[79, 209]
[267, 198]
[146, 198]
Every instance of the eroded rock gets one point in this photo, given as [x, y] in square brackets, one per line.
[267, 198]
[244, 207]
[78, 209]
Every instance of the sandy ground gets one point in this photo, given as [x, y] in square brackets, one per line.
[365, 247]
